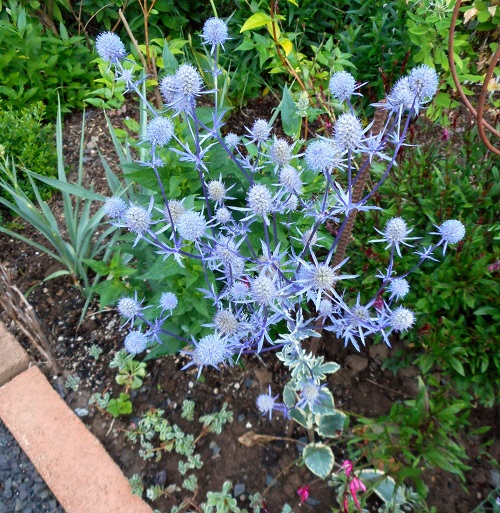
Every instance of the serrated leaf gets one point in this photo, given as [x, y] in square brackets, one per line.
[319, 459]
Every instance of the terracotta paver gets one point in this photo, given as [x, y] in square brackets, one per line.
[13, 358]
[70, 459]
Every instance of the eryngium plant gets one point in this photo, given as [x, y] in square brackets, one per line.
[262, 231]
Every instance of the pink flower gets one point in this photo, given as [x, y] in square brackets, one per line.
[303, 493]
[354, 484]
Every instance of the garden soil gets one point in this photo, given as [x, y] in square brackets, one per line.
[361, 387]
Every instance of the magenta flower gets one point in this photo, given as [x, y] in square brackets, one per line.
[354, 483]
[303, 493]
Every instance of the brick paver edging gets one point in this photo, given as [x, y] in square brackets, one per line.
[73, 463]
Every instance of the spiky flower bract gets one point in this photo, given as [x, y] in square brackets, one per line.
[214, 32]
[159, 131]
[223, 215]
[115, 207]
[191, 225]
[167, 89]
[266, 402]
[136, 342]
[400, 96]
[342, 85]
[423, 81]
[110, 48]
[310, 393]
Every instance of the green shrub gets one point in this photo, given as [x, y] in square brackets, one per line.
[37, 64]
[31, 143]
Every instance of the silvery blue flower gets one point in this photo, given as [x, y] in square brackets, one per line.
[342, 85]
[395, 233]
[401, 319]
[110, 48]
[231, 140]
[260, 131]
[320, 156]
[214, 32]
[260, 200]
[423, 82]
[223, 215]
[290, 179]
[187, 82]
[137, 219]
[115, 207]
[210, 350]
[398, 287]
[281, 152]
[263, 290]
[451, 232]
[159, 131]
[348, 132]
[136, 342]
[266, 403]
[310, 394]
[167, 89]
[168, 301]
[191, 225]
[129, 308]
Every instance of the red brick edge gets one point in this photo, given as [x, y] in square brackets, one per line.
[73, 463]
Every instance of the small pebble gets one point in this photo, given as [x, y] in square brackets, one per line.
[248, 425]
[81, 412]
[239, 489]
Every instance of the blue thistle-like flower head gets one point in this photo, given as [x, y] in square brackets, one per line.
[137, 219]
[281, 152]
[214, 32]
[423, 82]
[401, 97]
[210, 350]
[348, 132]
[320, 156]
[452, 231]
[260, 200]
[136, 342]
[168, 301]
[191, 225]
[260, 131]
[223, 215]
[402, 319]
[129, 308]
[398, 288]
[167, 89]
[290, 179]
[310, 393]
[188, 82]
[342, 85]
[115, 207]
[110, 48]
[231, 140]
[264, 290]
[159, 131]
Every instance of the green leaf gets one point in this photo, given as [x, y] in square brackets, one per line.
[289, 116]
[319, 459]
[330, 425]
[259, 19]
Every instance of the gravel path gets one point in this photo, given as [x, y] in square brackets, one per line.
[22, 490]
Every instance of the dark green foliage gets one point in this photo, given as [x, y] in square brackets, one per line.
[31, 143]
[416, 434]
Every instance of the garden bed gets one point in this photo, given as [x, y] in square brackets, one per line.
[361, 387]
